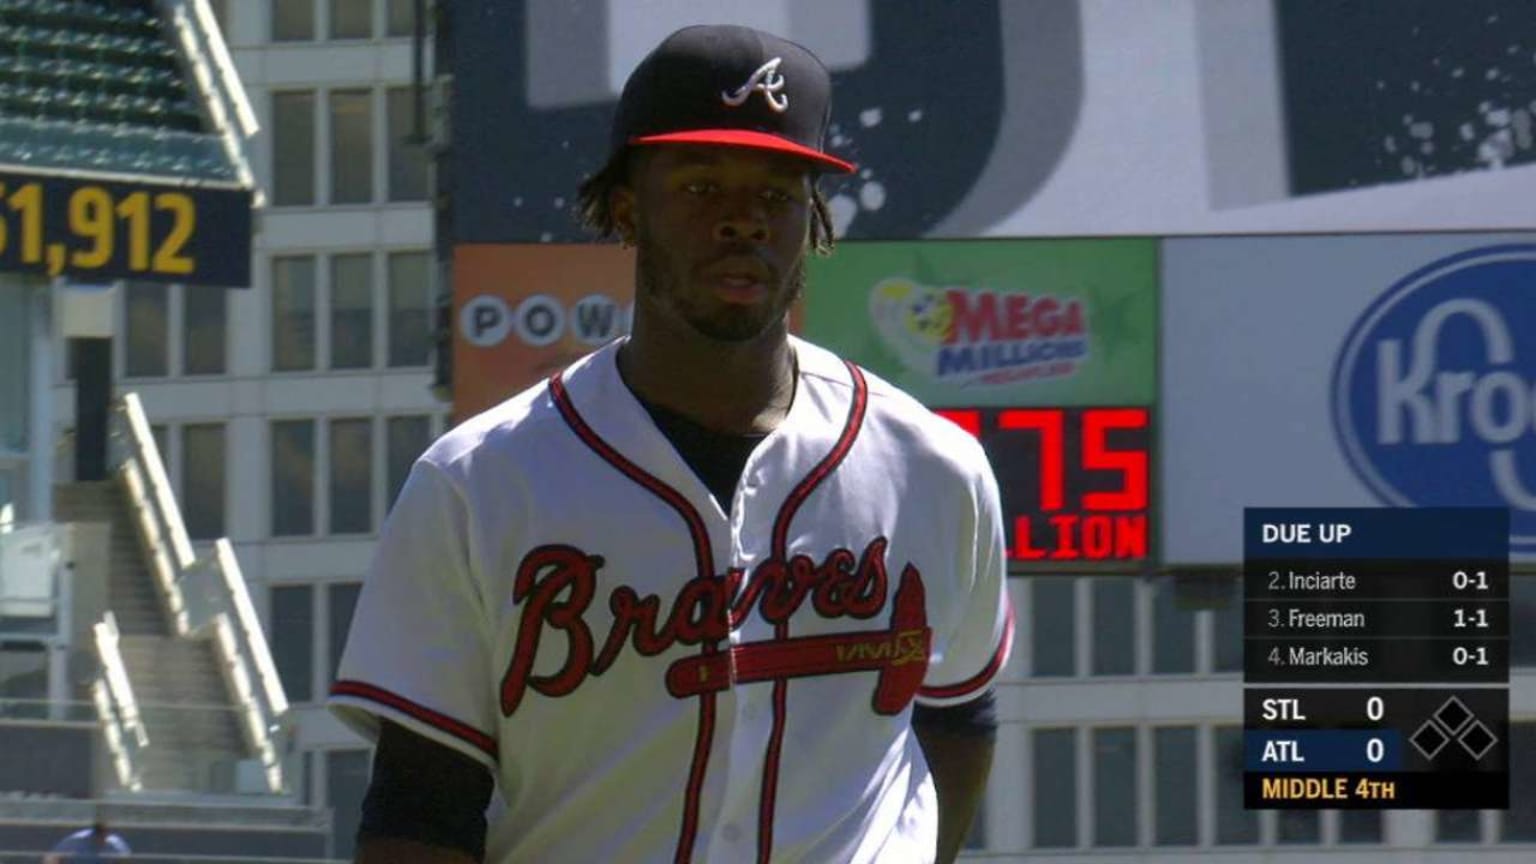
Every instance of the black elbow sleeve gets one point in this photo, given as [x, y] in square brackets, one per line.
[426, 792]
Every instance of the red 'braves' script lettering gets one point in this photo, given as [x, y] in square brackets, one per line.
[556, 584]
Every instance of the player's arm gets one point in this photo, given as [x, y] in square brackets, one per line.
[955, 716]
[425, 803]
[957, 742]
[414, 678]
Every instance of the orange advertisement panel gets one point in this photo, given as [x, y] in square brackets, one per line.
[522, 312]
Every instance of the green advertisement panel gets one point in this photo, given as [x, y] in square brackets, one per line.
[994, 322]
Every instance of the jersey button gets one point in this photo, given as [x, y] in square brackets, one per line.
[731, 833]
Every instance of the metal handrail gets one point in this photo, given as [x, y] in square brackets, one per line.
[214, 73]
[116, 704]
[206, 596]
[170, 548]
[247, 627]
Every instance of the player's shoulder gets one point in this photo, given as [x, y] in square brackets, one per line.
[504, 433]
[896, 414]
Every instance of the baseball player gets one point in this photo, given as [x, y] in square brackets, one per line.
[710, 593]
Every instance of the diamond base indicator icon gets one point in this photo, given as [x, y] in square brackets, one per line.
[1477, 740]
[1453, 715]
[1429, 740]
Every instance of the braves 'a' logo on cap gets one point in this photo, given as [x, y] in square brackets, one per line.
[767, 80]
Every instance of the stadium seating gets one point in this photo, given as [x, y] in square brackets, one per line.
[96, 85]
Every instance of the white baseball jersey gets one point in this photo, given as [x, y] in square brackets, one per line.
[654, 679]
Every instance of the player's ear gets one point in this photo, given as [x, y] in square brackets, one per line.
[621, 206]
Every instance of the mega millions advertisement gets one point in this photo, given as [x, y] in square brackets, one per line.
[1050, 322]
[1346, 371]
[1045, 350]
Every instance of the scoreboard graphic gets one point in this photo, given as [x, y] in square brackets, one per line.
[1376, 658]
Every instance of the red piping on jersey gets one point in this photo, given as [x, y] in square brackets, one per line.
[982, 678]
[442, 722]
[781, 631]
[705, 562]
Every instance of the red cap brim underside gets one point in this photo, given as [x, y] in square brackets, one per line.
[745, 138]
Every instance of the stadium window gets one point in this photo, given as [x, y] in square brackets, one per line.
[351, 476]
[1176, 791]
[406, 438]
[205, 330]
[1360, 826]
[1227, 634]
[16, 369]
[220, 9]
[13, 482]
[293, 313]
[1054, 788]
[1519, 821]
[293, 148]
[347, 773]
[161, 433]
[1234, 825]
[351, 146]
[24, 672]
[1053, 617]
[401, 18]
[1522, 621]
[352, 311]
[410, 312]
[351, 19]
[1173, 632]
[146, 330]
[1458, 826]
[202, 480]
[976, 838]
[1114, 787]
[293, 20]
[1298, 827]
[307, 779]
[407, 161]
[292, 639]
[293, 478]
[1114, 626]
[341, 602]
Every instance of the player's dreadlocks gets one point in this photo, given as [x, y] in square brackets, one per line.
[595, 215]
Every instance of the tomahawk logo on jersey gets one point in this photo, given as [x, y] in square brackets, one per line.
[704, 683]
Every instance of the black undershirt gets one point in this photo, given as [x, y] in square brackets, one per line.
[717, 458]
[425, 791]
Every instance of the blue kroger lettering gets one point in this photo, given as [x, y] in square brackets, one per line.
[1434, 392]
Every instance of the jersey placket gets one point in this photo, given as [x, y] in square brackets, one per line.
[740, 748]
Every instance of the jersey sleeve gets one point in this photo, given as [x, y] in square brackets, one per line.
[419, 650]
[979, 635]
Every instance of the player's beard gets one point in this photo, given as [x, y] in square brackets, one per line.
[661, 281]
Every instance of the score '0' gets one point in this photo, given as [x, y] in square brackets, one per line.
[1375, 708]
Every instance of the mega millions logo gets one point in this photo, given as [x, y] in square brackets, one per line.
[1434, 393]
[977, 336]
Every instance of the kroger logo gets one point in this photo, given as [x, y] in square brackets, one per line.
[1434, 394]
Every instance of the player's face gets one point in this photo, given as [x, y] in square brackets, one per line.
[721, 236]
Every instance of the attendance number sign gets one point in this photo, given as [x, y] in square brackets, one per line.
[100, 231]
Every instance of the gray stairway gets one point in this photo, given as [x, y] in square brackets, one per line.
[189, 715]
[131, 592]
[194, 740]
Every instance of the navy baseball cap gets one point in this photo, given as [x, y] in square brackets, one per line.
[729, 86]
